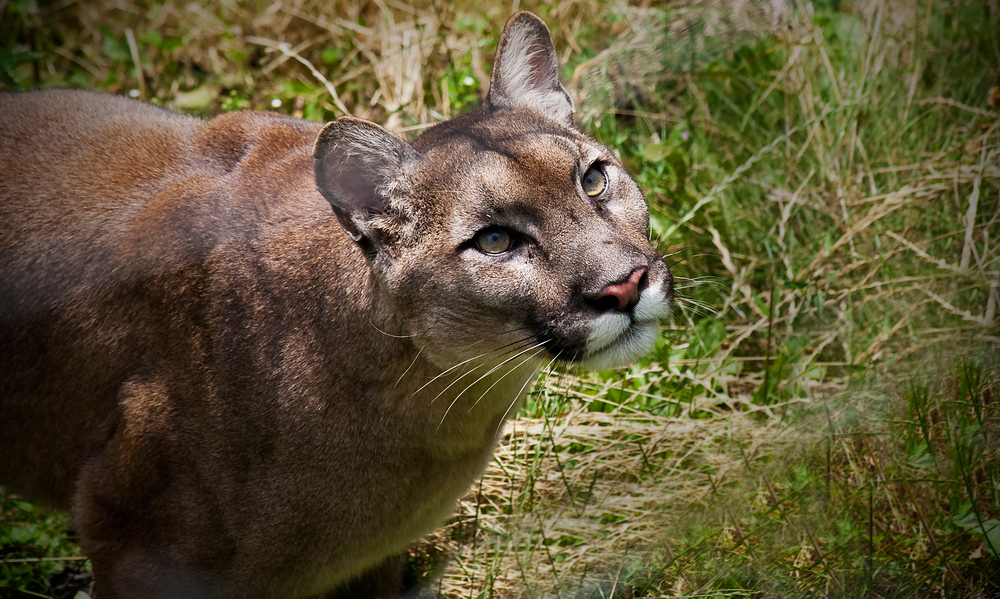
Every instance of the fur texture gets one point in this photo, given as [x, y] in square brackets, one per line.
[240, 392]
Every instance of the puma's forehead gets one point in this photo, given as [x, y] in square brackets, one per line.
[517, 135]
[511, 155]
[551, 157]
[539, 162]
[522, 186]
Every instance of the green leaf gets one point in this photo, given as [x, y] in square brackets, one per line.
[152, 37]
[115, 48]
[660, 223]
[988, 530]
[656, 152]
[332, 55]
[10, 59]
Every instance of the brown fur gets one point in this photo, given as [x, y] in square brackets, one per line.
[242, 393]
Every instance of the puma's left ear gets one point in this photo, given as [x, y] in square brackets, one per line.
[358, 165]
[526, 72]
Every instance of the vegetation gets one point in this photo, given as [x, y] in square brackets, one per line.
[821, 417]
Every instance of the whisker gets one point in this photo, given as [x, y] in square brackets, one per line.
[465, 374]
[419, 351]
[695, 307]
[698, 304]
[710, 282]
[520, 391]
[444, 372]
[460, 363]
[510, 371]
[501, 333]
[458, 378]
[516, 341]
[388, 334]
[492, 370]
[698, 278]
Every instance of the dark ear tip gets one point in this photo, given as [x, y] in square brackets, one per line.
[349, 131]
[329, 131]
[528, 20]
[344, 124]
[328, 134]
[525, 15]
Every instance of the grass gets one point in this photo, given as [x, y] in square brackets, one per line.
[819, 419]
[854, 496]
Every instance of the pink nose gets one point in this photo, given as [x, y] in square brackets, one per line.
[626, 293]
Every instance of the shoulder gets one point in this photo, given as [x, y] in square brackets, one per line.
[255, 136]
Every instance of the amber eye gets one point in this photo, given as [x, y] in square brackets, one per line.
[494, 240]
[594, 182]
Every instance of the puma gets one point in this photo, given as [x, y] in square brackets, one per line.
[240, 392]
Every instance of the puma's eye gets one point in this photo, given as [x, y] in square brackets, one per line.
[594, 182]
[494, 240]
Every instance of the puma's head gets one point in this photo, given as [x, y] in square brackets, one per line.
[504, 233]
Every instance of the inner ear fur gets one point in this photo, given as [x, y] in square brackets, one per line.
[358, 167]
[526, 71]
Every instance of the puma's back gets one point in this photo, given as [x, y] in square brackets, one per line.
[256, 356]
[110, 210]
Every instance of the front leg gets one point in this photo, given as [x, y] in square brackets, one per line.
[384, 581]
[131, 555]
[127, 502]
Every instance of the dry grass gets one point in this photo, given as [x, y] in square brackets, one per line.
[391, 62]
[570, 502]
[833, 500]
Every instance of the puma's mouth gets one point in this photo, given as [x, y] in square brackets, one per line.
[620, 338]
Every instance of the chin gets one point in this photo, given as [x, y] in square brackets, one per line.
[632, 344]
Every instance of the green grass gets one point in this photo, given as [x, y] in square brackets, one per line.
[819, 418]
[34, 543]
[856, 496]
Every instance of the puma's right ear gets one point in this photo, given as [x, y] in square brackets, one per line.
[526, 71]
[358, 166]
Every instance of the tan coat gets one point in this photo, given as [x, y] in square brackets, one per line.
[242, 393]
